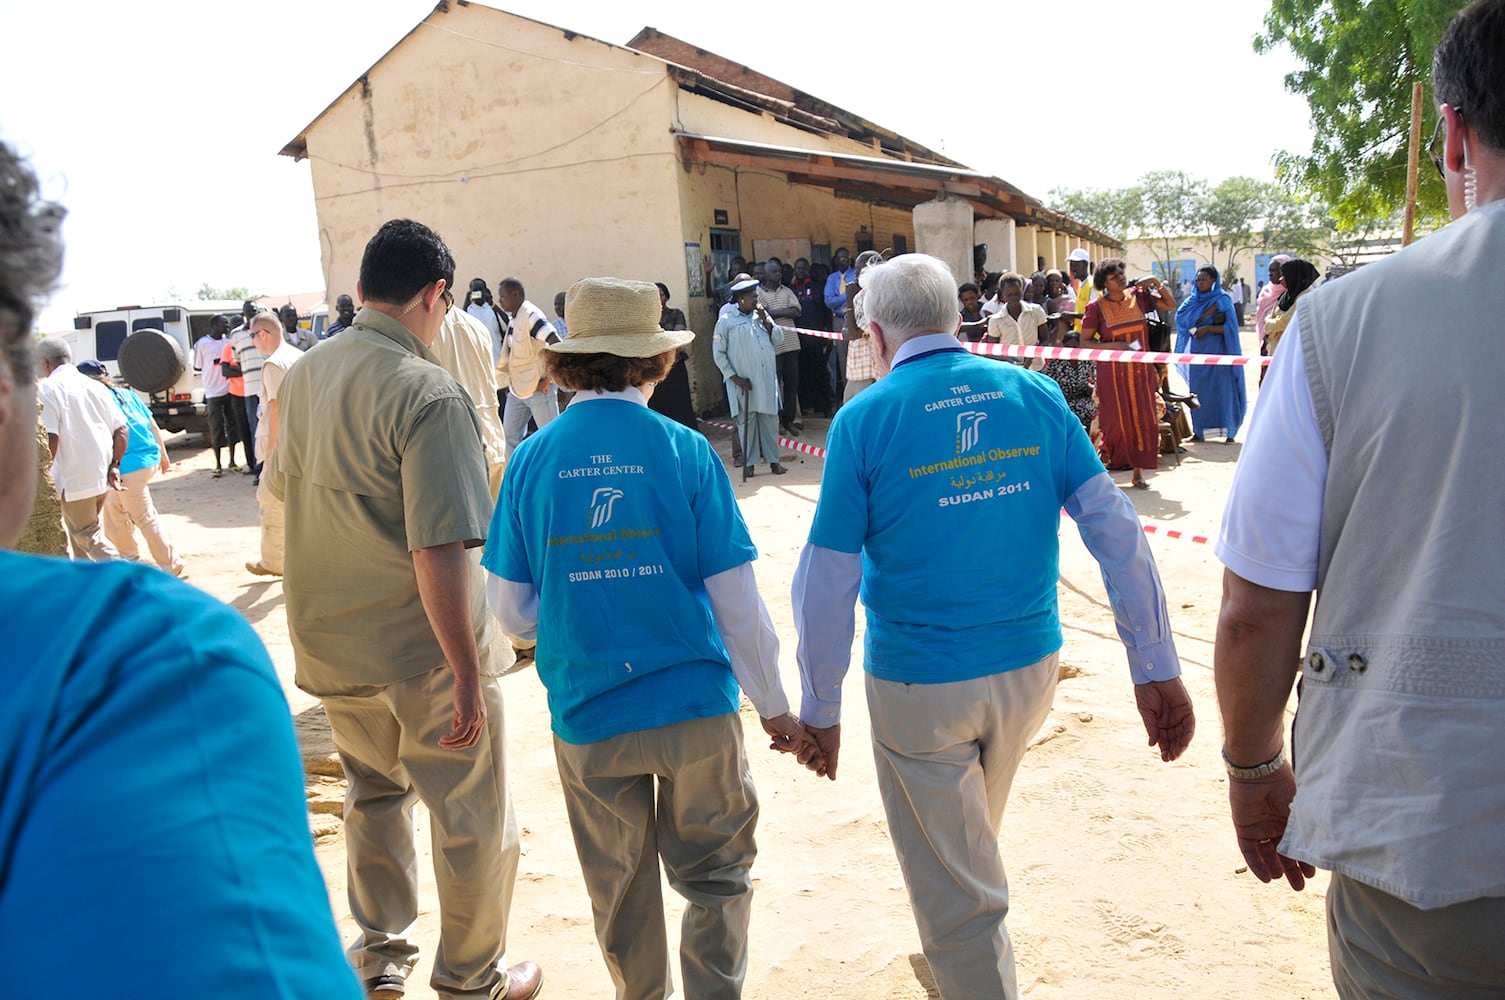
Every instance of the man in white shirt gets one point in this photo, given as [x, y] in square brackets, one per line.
[267, 334]
[217, 399]
[529, 392]
[87, 434]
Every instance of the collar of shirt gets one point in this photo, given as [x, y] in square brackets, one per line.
[631, 394]
[392, 329]
[925, 343]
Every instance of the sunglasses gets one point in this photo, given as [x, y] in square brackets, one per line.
[1433, 150]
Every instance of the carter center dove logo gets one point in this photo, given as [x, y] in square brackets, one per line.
[967, 433]
[602, 502]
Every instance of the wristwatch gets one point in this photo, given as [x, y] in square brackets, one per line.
[1193, 331]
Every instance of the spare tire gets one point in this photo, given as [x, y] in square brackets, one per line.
[151, 361]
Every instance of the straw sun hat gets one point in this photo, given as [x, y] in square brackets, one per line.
[616, 316]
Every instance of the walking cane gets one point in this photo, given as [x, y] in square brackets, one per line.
[746, 464]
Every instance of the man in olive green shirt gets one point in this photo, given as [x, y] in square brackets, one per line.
[380, 465]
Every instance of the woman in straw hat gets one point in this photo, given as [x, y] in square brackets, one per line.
[617, 545]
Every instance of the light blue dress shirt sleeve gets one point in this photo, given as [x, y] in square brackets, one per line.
[1111, 531]
[824, 596]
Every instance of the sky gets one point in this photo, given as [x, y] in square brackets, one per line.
[158, 123]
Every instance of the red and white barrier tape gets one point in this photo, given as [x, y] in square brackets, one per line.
[800, 446]
[1085, 353]
[1185, 536]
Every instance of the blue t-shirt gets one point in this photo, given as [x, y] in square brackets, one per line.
[617, 515]
[948, 476]
[153, 830]
[141, 450]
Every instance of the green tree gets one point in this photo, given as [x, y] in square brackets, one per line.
[1359, 59]
[239, 293]
[1115, 211]
[1173, 204]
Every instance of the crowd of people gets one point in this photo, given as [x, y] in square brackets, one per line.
[616, 549]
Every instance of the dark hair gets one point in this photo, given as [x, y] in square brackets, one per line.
[401, 260]
[31, 258]
[1010, 276]
[606, 372]
[966, 287]
[1107, 267]
[663, 290]
[1468, 69]
[510, 285]
[1211, 271]
[1298, 275]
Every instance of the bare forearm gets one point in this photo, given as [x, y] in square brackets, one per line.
[1255, 660]
[444, 586]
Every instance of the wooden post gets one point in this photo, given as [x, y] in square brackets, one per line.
[1407, 234]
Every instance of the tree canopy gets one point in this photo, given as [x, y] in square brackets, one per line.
[1359, 60]
[239, 293]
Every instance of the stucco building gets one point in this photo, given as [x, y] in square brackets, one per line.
[542, 153]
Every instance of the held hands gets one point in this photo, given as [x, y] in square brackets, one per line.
[827, 748]
[470, 717]
[790, 735]
[1166, 710]
[1261, 807]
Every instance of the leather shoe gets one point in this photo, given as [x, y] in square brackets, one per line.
[524, 982]
[777, 469]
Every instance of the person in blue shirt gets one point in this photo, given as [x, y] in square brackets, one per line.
[618, 548]
[153, 833]
[963, 632]
[132, 509]
[842, 274]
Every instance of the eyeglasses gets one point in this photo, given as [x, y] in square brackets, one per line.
[1432, 149]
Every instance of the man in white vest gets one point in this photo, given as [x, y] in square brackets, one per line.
[1377, 483]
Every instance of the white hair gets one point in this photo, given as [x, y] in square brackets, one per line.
[54, 351]
[912, 294]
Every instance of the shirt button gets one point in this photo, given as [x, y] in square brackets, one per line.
[1315, 662]
[1149, 668]
[1356, 663]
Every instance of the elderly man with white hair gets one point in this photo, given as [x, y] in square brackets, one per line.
[962, 625]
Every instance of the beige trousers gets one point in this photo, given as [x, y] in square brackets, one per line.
[682, 793]
[1383, 948]
[389, 747]
[85, 535]
[946, 757]
[132, 511]
[272, 534]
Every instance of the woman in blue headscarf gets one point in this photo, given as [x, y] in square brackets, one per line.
[1206, 324]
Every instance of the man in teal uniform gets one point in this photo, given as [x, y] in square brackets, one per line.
[962, 627]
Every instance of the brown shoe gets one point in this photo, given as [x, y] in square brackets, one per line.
[260, 568]
[524, 982]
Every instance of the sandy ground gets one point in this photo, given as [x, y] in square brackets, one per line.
[1125, 879]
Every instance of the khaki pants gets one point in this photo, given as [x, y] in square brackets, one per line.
[389, 747]
[131, 511]
[272, 535]
[683, 793]
[85, 535]
[1383, 948]
[946, 757]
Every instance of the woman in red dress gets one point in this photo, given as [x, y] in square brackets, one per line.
[1115, 320]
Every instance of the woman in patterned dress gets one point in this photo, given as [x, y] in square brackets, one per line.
[1115, 320]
